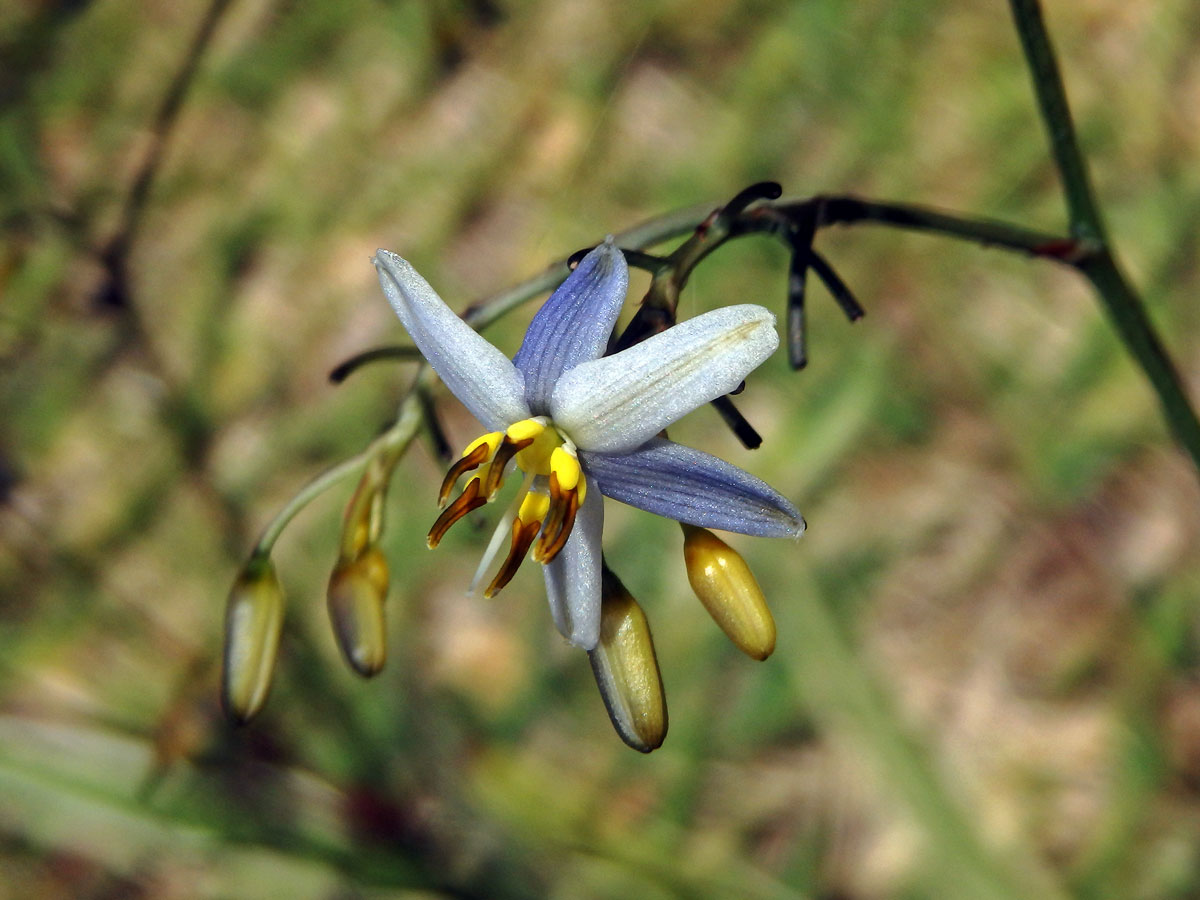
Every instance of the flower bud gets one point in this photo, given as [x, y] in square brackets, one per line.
[362, 523]
[253, 621]
[727, 588]
[357, 591]
[626, 669]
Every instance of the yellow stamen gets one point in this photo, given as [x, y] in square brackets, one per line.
[564, 505]
[542, 452]
[565, 464]
[527, 431]
[533, 508]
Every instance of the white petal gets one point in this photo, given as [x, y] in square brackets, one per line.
[573, 577]
[478, 374]
[619, 402]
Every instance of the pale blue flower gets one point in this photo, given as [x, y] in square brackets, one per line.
[581, 425]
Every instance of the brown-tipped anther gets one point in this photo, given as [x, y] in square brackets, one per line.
[472, 459]
[727, 588]
[253, 622]
[468, 501]
[523, 534]
[504, 453]
[564, 505]
[626, 669]
[356, 595]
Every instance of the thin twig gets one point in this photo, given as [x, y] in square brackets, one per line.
[1097, 262]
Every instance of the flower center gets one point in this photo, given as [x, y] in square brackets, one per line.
[550, 496]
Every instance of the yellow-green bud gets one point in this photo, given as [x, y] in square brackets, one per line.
[253, 621]
[357, 591]
[729, 591]
[626, 669]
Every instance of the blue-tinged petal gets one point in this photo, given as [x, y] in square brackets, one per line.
[691, 486]
[573, 577]
[618, 402]
[574, 324]
[476, 372]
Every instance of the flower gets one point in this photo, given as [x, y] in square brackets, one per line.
[581, 425]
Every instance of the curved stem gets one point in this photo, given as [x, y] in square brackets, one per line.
[1099, 265]
[393, 441]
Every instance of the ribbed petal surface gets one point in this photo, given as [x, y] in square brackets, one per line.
[477, 373]
[573, 577]
[616, 403]
[690, 486]
[574, 324]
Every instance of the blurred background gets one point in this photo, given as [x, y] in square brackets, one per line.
[985, 683]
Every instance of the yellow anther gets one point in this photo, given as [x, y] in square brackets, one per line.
[533, 508]
[491, 440]
[545, 515]
[565, 465]
[517, 438]
[525, 430]
[561, 518]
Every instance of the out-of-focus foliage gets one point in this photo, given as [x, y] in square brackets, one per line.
[992, 616]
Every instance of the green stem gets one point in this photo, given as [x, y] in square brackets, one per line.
[393, 441]
[1098, 263]
[1086, 222]
[1128, 315]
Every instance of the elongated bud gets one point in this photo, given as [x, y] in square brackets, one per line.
[357, 591]
[729, 591]
[362, 523]
[626, 669]
[253, 621]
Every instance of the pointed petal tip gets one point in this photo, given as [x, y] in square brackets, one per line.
[610, 259]
[477, 373]
[384, 259]
[585, 637]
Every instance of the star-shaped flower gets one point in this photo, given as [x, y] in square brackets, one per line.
[580, 425]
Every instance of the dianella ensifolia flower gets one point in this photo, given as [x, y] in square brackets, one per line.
[580, 425]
